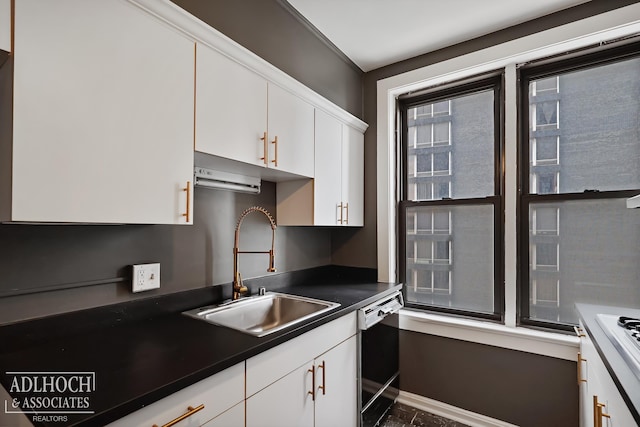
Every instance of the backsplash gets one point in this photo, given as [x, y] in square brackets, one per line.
[93, 261]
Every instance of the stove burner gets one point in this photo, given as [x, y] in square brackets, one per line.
[628, 322]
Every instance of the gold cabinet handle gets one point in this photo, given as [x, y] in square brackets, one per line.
[346, 205]
[579, 332]
[340, 207]
[187, 214]
[265, 148]
[597, 412]
[275, 151]
[324, 378]
[580, 360]
[190, 411]
[313, 382]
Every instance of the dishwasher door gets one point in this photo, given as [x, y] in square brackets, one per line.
[379, 359]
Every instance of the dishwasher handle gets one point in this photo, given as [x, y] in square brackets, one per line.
[376, 312]
[384, 311]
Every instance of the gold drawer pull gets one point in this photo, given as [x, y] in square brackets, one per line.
[341, 207]
[275, 151]
[265, 148]
[187, 214]
[580, 360]
[579, 332]
[191, 410]
[324, 378]
[597, 412]
[313, 382]
[346, 205]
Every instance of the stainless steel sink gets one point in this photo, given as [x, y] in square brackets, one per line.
[263, 314]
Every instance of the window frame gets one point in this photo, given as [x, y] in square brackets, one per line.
[487, 81]
[540, 69]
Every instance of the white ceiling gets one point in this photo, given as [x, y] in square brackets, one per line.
[375, 33]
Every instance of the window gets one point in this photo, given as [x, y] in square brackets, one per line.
[451, 207]
[578, 242]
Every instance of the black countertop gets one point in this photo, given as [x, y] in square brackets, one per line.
[625, 380]
[139, 359]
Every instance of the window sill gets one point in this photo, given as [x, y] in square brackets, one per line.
[550, 344]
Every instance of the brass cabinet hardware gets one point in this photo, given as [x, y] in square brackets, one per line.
[187, 214]
[275, 151]
[598, 414]
[346, 205]
[323, 386]
[265, 148]
[580, 360]
[190, 411]
[313, 383]
[340, 207]
[579, 332]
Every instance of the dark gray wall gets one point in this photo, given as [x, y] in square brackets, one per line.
[521, 388]
[33, 257]
[36, 257]
[273, 30]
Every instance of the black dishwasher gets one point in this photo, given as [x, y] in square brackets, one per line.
[379, 358]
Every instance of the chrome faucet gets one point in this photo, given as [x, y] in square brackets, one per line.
[238, 287]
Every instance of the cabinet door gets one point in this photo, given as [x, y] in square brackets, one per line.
[600, 385]
[290, 132]
[219, 394]
[5, 25]
[337, 386]
[234, 417]
[353, 176]
[231, 108]
[103, 114]
[285, 403]
[327, 183]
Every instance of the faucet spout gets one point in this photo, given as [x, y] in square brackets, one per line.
[238, 287]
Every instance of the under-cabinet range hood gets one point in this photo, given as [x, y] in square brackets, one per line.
[209, 178]
[633, 202]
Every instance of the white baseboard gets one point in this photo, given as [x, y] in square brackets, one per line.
[448, 411]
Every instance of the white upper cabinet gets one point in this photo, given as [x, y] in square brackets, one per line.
[102, 116]
[336, 195]
[5, 25]
[352, 177]
[290, 132]
[327, 185]
[231, 109]
[243, 117]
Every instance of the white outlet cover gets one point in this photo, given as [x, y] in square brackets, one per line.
[145, 277]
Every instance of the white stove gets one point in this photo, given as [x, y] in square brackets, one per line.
[624, 333]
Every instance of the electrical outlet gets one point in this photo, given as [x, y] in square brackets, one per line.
[145, 277]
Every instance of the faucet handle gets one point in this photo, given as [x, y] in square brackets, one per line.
[272, 267]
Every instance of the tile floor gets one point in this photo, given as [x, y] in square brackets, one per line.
[405, 416]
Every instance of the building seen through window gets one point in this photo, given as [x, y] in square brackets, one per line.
[584, 154]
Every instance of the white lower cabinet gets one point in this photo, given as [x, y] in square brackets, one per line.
[221, 394]
[286, 402]
[233, 417]
[601, 404]
[308, 381]
[337, 401]
[322, 392]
